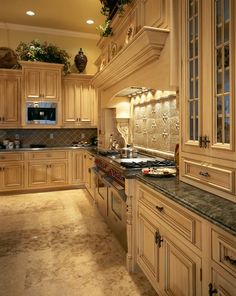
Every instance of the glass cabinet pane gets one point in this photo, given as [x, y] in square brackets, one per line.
[222, 67]
[193, 70]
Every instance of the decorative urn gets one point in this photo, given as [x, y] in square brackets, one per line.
[81, 60]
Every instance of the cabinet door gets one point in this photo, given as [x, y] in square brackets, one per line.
[58, 173]
[148, 256]
[208, 88]
[78, 167]
[50, 85]
[86, 103]
[9, 101]
[223, 284]
[181, 269]
[38, 174]
[42, 84]
[70, 102]
[12, 176]
[32, 84]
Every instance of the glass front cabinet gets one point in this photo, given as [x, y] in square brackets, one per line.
[207, 92]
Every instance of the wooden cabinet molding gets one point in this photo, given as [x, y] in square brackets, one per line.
[207, 91]
[79, 101]
[164, 253]
[10, 98]
[173, 263]
[42, 81]
[12, 171]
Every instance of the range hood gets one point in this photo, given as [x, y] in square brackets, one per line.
[145, 61]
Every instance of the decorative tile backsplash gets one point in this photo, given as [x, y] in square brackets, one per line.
[49, 137]
[156, 124]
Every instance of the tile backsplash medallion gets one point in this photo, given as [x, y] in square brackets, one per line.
[49, 137]
[156, 124]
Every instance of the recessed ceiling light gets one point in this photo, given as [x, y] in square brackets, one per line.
[30, 13]
[90, 22]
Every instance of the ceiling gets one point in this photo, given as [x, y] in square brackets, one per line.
[56, 14]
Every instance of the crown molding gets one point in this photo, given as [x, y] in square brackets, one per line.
[51, 31]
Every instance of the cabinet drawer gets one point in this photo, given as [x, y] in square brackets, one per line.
[175, 217]
[11, 157]
[218, 177]
[224, 251]
[48, 155]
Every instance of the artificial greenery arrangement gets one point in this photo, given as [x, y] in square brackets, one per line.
[43, 52]
[105, 29]
[108, 8]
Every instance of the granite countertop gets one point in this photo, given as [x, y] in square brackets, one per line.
[213, 208]
[46, 148]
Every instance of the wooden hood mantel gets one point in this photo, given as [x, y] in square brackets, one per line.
[146, 47]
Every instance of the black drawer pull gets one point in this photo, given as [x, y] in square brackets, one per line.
[211, 291]
[204, 174]
[160, 209]
[230, 260]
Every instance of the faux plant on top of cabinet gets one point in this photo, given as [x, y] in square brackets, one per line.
[208, 143]
[10, 98]
[79, 101]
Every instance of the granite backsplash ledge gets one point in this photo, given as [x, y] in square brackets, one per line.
[49, 137]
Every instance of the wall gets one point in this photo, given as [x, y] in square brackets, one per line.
[11, 38]
[61, 137]
[155, 124]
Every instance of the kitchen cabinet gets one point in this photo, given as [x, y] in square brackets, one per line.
[168, 245]
[89, 176]
[207, 91]
[42, 81]
[223, 263]
[78, 167]
[79, 101]
[10, 98]
[12, 171]
[47, 169]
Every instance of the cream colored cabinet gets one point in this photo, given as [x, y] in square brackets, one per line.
[78, 164]
[10, 98]
[207, 91]
[148, 251]
[79, 101]
[42, 81]
[12, 171]
[47, 169]
[223, 263]
[168, 245]
[89, 176]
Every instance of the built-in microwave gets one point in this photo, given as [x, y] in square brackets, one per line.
[41, 113]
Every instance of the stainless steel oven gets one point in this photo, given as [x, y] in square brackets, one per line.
[41, 113]
[110, 197]
[116, 215]
[101, 192]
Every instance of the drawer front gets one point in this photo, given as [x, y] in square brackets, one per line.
[224, 251]
[48, 155]
[177, 218]
[11, 157]
[218, 177]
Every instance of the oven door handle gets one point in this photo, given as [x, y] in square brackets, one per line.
[101, 176]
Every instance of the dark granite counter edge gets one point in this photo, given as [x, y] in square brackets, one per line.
[188, 205]
[47, 148]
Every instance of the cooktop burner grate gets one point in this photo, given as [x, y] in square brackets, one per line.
[149, 163]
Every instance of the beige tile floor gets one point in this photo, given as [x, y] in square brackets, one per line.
[57, 244]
